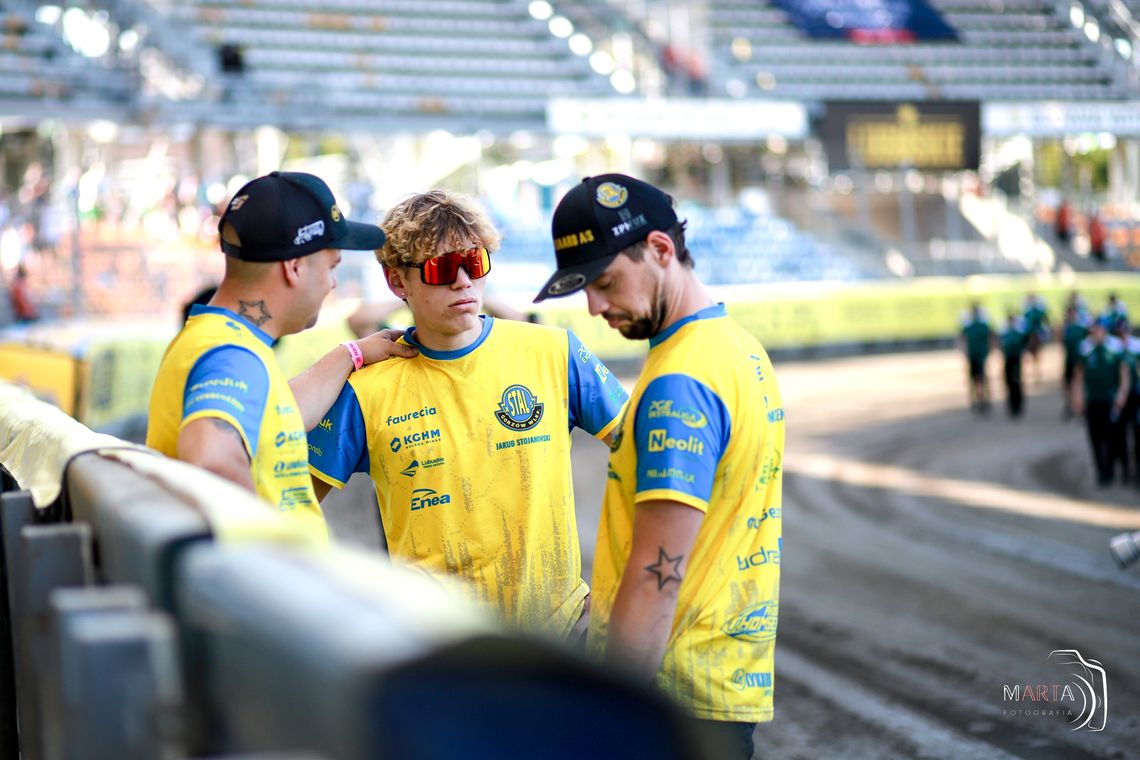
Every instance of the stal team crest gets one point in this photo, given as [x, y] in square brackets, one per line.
[611, 195]
[519, 409]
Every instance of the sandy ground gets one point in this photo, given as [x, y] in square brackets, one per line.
[931, 558]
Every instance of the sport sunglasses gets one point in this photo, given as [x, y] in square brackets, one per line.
[444, 268]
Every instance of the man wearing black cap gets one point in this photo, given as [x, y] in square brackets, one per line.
[686, 572]
[220, 401]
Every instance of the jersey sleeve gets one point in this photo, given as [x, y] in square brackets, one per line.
[682, 430]
[596, 396]
[229, 383]
[338, 445]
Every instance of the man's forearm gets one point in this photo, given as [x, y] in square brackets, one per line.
[317, 388]
[640, 623]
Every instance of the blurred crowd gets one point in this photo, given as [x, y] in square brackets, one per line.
[1099, 382]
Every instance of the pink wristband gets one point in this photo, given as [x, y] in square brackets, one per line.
[355, 352]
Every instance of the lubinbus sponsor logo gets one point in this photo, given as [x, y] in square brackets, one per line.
[423, 498]
[743, 680]
[1082, 698]
[398, 419]
[660, 440]
[756, 623]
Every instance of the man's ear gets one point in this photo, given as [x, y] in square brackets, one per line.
[293, 269]
[661, 247]
[395, 282]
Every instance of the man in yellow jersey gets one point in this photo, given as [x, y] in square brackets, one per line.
[468, 444]
[687, 567]
[220, 401]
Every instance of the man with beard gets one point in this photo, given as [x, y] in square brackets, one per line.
[687, 567]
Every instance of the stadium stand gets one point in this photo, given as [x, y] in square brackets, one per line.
[1012, 50]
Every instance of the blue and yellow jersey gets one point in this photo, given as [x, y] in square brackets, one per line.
[705, 427]
[469, 451]
[222, 366]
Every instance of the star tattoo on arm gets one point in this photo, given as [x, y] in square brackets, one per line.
[262, 315]
[666, 568]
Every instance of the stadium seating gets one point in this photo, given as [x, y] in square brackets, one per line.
[1012, 50]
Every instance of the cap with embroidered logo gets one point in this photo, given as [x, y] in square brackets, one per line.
[595, 221]
[284, 215]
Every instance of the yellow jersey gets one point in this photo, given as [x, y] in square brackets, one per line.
[704, 427]
[222, 366]
[469, 451]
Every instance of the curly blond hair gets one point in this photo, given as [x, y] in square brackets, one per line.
[426, 224]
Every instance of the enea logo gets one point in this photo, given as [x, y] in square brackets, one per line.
[519, 409]
[426, 497]
[742, 680]
[688, 416]
[659, 440]
[757, 623]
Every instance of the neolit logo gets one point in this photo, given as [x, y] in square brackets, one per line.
[611, 195]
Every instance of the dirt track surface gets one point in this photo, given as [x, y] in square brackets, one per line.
[931, 558]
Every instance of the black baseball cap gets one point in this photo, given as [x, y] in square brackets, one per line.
[284, 215]
[596, 220]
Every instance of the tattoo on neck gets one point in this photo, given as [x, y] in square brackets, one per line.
[261, 317]
[666, 568]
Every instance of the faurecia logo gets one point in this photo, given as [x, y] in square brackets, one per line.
[519, 409]
[426, 497]
[757, 623]
[1082, 697]
[427, 411]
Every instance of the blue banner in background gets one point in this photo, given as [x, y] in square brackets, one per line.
[868, 21]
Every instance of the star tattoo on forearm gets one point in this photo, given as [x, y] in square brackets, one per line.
[666, 568]
[262, 316]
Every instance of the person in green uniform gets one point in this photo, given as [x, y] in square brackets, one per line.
[1014, 338]
[1074, 330]
[1101, 390]
[1037, 331]
[1130, 416]
[976, 338]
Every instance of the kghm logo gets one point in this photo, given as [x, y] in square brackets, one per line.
[660, 440]
[519, 409]
[426, 497]
[414, 439]
[757, 623]
[689, 417]
[1083, 698]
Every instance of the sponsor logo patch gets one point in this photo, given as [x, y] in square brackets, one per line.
[519, 409]
[611, 195]
[422, 498]
[688, 416]
[660, 440]
[756, 623]
[309, 231]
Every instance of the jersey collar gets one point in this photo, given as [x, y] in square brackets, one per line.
[709, 312]
[258, 333]
[459, 353]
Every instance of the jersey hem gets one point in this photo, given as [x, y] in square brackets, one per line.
[325, 478]
[666, 494]
[611, 425]
[736, 717]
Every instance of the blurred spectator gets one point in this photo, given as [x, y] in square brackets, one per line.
[1074, 330]
[1037, 330]
[976, 339]
[1115, 308]
[22, 307]
[1097, 238]
[1013, 342]
[1100, 389]
[1129, 423]
[1063, 221]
